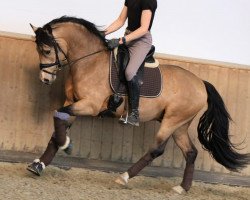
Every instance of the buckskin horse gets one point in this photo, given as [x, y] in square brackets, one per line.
[80, 45]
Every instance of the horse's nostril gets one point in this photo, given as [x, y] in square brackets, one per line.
[46, 80]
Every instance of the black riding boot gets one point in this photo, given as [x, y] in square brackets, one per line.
[133, 100]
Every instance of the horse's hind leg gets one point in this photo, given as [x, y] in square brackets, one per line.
[168, 126]
[189, 151]
[143, 162]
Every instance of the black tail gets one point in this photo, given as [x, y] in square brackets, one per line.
[213, 134]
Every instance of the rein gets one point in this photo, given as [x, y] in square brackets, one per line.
[76, 60]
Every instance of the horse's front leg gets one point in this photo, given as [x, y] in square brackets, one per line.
[63, 119]
[59, 139]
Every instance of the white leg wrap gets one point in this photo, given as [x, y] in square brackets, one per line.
[43, 165]
[38, 161]
[123, 179]
[66, 143]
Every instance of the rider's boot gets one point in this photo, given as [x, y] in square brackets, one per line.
[133, 99]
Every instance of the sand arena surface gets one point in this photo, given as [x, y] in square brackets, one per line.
[82, 184]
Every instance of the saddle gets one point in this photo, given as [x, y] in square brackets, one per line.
[149, 73]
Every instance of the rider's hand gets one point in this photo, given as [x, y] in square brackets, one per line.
[113, 43]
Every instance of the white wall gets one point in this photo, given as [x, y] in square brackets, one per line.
[208, 29]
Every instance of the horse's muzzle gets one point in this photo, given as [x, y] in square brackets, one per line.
[46, 81]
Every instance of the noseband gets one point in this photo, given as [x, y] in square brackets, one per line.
[58, 49]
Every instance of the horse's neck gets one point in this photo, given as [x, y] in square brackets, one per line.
[89, 79]
[83, 43]
[91, 75]
[89, 72]
[94, 65]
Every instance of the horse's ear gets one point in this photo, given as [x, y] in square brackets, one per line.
[34, 28]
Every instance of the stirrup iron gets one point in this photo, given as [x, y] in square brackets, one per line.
[124, 120]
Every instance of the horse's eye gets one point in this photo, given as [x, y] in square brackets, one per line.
[47, 52]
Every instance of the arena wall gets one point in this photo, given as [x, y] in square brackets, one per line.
[26, 107]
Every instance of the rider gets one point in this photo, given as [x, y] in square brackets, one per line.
[140, 14]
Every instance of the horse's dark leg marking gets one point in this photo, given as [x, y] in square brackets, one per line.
[189, 169]
[146, 159]
[50, 152]
[168, 126]
[60, 131]
[189, 151]
[59, 138]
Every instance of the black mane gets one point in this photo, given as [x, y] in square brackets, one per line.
[88, 25]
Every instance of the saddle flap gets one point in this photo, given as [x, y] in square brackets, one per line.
[152, 81]
[122, 60]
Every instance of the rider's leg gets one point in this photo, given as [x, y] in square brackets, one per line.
[138, 50]
[133, 93]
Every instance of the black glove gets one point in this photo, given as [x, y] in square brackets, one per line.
[113, 43]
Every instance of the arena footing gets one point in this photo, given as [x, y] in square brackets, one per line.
[67, 162]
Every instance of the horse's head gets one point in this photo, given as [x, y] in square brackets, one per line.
[51, 54]
[61, 39]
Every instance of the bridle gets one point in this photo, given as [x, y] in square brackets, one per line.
[58, 63]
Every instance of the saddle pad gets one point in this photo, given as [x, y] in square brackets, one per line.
[152, 81]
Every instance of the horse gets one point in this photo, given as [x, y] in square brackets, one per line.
[80, 45]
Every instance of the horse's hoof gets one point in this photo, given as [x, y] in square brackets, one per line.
[36, 168]
[178, 189]
[122, 179]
